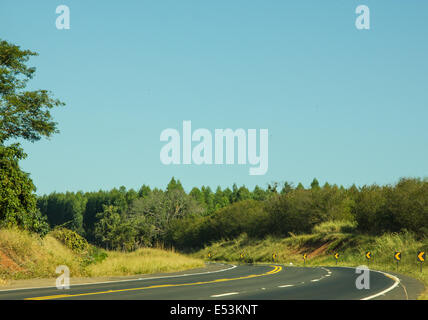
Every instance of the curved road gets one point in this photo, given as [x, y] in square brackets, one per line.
[242, 282]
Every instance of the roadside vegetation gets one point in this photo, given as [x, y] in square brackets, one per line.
[128, 219]
[281, 219]
[143, 261]
[25, 255]
[321, 244]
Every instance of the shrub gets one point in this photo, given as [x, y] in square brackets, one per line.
[71, 239]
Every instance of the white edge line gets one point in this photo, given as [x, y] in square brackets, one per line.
[396, 283]
[224, 294]
[127, 280]
[286, 286]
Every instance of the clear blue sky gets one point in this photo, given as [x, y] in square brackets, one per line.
[343, 105]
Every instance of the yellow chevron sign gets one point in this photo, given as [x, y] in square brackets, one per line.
[421, 256]
[209, 254]
[336, 255]
[242, 255]
[368, 255]
[305, 256]
[397, 256]
[274, 256]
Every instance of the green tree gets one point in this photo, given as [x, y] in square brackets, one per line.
[407, 204]
[144, 191]
[259, 194]
[300, 186]
[23, 114]
[208, 198]
[198, 196]
[315, 185]
[368, 210]
[287, 188]
[160, 209]
[17, 200]
[228, 194]
[66, 210]
[221, 200]
[112, 232]
[174, 185]
[243, 193]
[273, 188]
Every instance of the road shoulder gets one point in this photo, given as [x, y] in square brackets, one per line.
[51, 282]
[408, 289]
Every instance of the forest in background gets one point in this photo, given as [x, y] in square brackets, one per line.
[128, 219]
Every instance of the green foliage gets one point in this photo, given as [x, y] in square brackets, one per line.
[247, 216]
[126, 219]
[144, 191]
[287, 188]
[17, 198]
[393, 208]
[174, 186]
[64, 209]
[325, 210]
[89, 254]
[26, 115]
[23, 114]
[160, 208]
[94, 255]
[329, 227]
[315, 184]
[112, 231]
[259, 194]
[145, 220]
[187, 232]
[71, 239]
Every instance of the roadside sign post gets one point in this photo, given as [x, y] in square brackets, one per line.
[368, 257]
[336, 256]
[274, 257]
[304, 259]
[397, 257]
[421, 258]
[209, 255]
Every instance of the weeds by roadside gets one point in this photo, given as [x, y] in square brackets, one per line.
[24, 255]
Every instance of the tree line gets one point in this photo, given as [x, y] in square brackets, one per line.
[122, 218]
[372, 209]
[127, 219]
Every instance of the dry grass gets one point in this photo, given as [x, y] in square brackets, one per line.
[24, 256]
[143, 261]
[27, 256]
[424, 296]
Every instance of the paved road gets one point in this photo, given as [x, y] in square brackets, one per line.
[242, 282]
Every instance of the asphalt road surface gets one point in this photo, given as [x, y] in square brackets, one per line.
[241, 282]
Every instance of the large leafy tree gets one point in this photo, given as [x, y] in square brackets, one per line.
[24, 115]
[17, 201]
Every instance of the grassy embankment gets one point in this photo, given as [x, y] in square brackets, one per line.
[320, 246]
[27, 256]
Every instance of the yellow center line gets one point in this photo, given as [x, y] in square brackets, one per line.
[275, 270]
